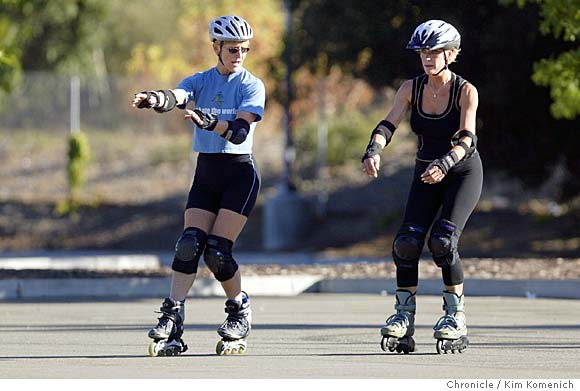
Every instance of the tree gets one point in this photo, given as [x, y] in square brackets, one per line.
[185, 47]
[9, 59]
[561, 18]
[54, 35]
[499, 48]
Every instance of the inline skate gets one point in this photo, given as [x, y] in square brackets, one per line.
[235, 328]
[451, 328]
[400, 327]
[167, 334]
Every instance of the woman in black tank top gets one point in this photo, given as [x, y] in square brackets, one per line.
[446, 185]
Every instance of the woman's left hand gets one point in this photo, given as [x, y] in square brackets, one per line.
[192, 115]
[432, 175]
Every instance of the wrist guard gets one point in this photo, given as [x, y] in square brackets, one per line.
[145, 103]
[386, 129]
[166, 101]
[208, 121]
[373, 149]
[446, 161]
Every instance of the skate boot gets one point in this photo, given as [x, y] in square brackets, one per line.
[400, 327]
[167, 334]
[451, 329]
[235, 328]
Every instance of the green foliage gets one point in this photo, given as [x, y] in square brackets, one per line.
[499, 47]
[9, 70]
[348, 135]
[561, 18]
[55, 35]
[9, 63]
[562, 76]
[186, 48]
[79, 155]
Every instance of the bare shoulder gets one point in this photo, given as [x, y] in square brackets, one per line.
[405, 90]
[469, 89]
[469, 93]
[407, 86]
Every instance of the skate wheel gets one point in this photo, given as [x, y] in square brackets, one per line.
[439, 346]
[464, 344]
[384, 345]
[151, 349]
[220, 348]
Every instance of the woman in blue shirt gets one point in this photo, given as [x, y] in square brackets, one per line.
[228, 102]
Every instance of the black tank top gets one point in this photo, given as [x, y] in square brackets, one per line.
[434, 131]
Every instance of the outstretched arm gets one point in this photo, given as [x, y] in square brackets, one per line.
[160, 100]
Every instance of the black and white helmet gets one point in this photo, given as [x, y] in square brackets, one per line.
[230, 28]
[434, 34]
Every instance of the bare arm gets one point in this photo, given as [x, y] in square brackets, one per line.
[395, 116]
[180, 97]
[468, 101]
[401, 104]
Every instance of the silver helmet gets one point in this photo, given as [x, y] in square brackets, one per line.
[230, 28]
[434, 34]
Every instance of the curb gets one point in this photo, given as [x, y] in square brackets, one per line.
[531, 289]
[291, 285]
[73, 261]
[144, 287]
[268, 285]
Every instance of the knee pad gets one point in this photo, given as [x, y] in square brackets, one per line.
[443, 243]
[408, 245]
[188, 250]
[218, 258]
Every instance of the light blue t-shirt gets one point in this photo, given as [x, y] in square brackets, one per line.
[224, 95]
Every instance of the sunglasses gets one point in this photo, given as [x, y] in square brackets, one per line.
[236, 50]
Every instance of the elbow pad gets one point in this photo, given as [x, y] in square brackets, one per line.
[469, 149]
[237, 131]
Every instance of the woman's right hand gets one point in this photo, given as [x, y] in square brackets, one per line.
[371, 165]
[138, 101]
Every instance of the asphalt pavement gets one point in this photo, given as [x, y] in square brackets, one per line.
[308, 336]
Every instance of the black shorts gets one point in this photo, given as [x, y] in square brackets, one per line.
[224, 181]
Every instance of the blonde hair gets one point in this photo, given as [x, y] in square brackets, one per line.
[455, 52]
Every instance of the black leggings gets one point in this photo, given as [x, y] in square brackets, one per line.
[456, 195]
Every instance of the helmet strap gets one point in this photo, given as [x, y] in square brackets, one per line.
[446, 64]
[220, 53]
